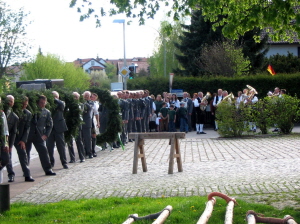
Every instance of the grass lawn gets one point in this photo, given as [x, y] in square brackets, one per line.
[116, 210]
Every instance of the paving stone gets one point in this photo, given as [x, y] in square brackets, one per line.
[233, 166]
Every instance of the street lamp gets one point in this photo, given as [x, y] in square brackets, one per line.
[125, 65]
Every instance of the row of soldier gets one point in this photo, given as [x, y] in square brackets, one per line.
[136, 109]
[44, 131]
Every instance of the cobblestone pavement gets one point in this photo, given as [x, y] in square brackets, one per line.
[251, 166]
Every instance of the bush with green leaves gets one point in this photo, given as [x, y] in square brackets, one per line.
[261, 114]
[232, 121]
[284, 63]
[284, 111]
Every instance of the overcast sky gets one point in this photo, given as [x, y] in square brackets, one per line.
[57, 30]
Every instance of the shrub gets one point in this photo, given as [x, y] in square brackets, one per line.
[284, 63]
[232, 121]
[285, 111]
[261, 114]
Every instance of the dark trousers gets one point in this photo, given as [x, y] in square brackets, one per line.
[124, 133]
[130, 127]
[189, 122]
[41, 148]
[163, 124]
[4, 158]
[87, 141]
[138, 125]
[23, 160]
[59, 139]
[143, 128]
[172, 126]
[93, 131]
[9, 167]
[183, 125]
[79, 146]
[147, 123]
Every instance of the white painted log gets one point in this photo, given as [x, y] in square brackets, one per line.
[290, 221]
[130, 220]
[207, 212]
[229, 213]
[251, 219]
[164, 215]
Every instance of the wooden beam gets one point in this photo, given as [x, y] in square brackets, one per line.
[158, 135]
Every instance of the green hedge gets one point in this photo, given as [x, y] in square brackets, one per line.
[262, 83]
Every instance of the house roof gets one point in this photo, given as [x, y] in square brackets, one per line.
[295, 38]
[140, 62]
[82, 61]
[14, 69]
[96, 68]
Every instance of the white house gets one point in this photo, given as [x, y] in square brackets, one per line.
[92, 66]
[283, 47]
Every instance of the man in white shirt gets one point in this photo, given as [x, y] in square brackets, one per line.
[94, 112]
[216, 101]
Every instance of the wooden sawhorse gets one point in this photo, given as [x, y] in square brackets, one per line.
[139, 151]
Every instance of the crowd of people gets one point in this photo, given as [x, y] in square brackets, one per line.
[139, 111]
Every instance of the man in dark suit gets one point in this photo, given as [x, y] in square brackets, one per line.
[21, 139]
[131, 122]
[12, 122]
[148, 110]
[87, 124]
[57, 133]
[40, 128]
[137, 111]
[189, 107]
[124, 106]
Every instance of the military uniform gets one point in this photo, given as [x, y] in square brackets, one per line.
[57, 134]
[79, 144]
[124, 106]
[137, 115]
[41, 124]
[87, 128]
[22, 135]
[12, 122]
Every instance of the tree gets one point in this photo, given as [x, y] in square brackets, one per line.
[282, 17]
[51, 67]
[197, 35]
[111, 71]
[254, 50]
[200, 33]
[166, 51]
[223, 59]
[12, 36]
